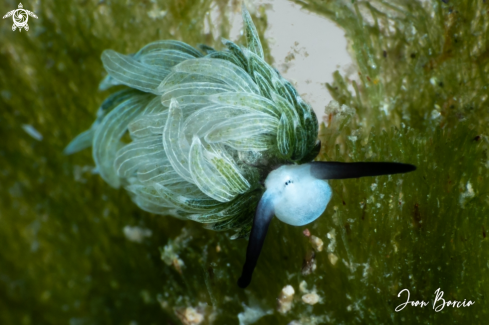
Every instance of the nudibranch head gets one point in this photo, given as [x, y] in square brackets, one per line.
[299, 197]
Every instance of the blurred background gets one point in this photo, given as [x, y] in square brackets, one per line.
[408, 83]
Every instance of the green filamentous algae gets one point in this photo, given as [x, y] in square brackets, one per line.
[77, 251]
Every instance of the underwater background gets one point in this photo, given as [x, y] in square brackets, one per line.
[73, 250]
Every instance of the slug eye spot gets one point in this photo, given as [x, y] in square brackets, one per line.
[288, 182]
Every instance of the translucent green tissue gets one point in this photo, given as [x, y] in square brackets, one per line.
[77, 251]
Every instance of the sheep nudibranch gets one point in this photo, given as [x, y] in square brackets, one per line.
[207, 129]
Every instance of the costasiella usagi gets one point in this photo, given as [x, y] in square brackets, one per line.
[218, 137]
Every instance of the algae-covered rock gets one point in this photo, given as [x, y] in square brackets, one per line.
[77, 251]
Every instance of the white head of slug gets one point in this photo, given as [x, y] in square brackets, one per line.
[299, 194]
[298, 197]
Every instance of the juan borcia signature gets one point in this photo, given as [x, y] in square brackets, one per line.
[438, 304]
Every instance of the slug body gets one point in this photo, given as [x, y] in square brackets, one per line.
[206, 128]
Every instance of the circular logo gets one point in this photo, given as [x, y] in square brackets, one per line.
[20, 17]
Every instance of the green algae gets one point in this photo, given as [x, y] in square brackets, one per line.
[65, 258]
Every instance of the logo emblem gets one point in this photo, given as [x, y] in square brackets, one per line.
[20, 16]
